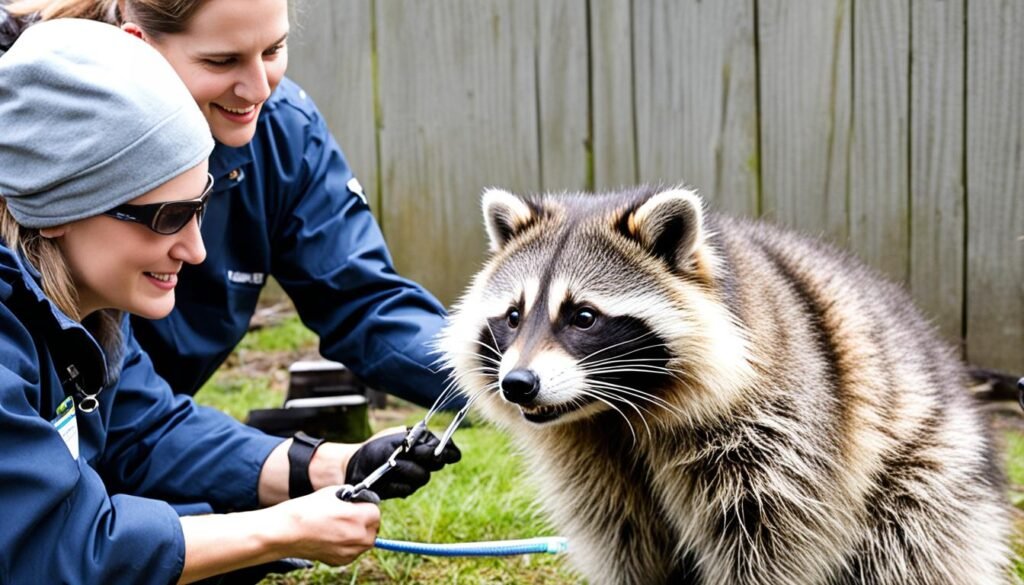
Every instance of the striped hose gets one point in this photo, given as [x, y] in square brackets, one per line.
[494, 548]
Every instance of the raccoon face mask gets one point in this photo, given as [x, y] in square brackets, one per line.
[793, 418]
[591, 304]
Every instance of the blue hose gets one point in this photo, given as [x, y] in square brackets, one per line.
[496, 548]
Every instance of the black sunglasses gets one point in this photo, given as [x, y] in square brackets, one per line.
[165, 218]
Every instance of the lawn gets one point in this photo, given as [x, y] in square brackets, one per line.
[484, 497]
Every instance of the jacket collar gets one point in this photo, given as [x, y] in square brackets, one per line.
[225, 161]
[17, 271]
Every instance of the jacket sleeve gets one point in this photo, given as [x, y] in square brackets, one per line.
[162, 445]
[59, 523]
[331, 258]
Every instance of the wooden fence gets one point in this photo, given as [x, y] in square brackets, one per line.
[894, 127]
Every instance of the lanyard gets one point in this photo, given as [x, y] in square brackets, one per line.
[35, 316]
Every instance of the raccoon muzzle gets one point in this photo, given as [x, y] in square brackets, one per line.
[520, 386]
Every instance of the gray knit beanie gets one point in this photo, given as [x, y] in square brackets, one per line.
[90, 118]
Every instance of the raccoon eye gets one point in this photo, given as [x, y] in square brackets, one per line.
[584, 319]
[512, 317]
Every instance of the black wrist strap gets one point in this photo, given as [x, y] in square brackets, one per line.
[299, 455]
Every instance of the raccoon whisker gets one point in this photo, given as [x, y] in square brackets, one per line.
[632, 366]
[451, 389]
[596, 395]
[440, 362]
[487, 346]
[477, 355]
[474, 395]
[650, 368]
[482, 391]
[614, 391]
[493, 348]
[614, 345]
[622, 360]
[484, 368]
[632, 351]
[628, 364]
[490, 369]
[616, 360]
[638, 394]
[457, 381]
[446, 396]
[637, 369]
[595, 392]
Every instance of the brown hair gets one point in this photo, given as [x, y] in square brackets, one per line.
[59, 286]
[155, 17]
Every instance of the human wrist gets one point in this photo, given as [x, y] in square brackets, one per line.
[272, 531]
[282, 530]
[328, 464]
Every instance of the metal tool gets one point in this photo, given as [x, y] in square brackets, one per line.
[412, 436]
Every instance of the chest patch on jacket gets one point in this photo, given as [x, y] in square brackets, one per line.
[246, 277]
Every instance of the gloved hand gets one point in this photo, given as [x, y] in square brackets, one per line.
[412, 470]
[360, 497]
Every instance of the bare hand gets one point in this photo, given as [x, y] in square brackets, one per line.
[325, 529]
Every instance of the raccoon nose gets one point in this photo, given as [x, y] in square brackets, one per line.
[520, 386]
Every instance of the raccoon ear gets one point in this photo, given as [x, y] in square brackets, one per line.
[504, 216]
[670, 225]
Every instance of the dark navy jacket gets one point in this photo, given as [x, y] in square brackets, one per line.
[287, 205]
[105, 517]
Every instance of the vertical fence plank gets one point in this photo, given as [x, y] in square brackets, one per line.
[695, 98]
[856, 141]
[330, 57]
[563, 84]
[995, 184]
[805, 58]
[458, 113]
[936, 161]
[611, 55]
[879, 167]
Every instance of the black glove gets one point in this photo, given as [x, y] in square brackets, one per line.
[360, 497]
[412, 470]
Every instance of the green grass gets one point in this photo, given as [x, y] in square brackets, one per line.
[1014, 445]
[289, 335]
[484, 497]
[237, 395]
[245, 382]
[1015, 457]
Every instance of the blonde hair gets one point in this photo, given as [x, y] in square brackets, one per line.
[59, 286]
[102, 10]
[154, 17]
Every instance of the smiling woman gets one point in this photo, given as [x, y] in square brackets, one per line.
[124, 265]
[59, 178]
[103, 183]
[229, 70]
[285, 204]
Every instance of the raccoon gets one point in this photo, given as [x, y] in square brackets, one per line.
[704, 399]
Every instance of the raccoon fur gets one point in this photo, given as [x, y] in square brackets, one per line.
[703, 399]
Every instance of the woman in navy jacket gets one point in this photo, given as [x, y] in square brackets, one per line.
[103, 182]
[285, 204]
